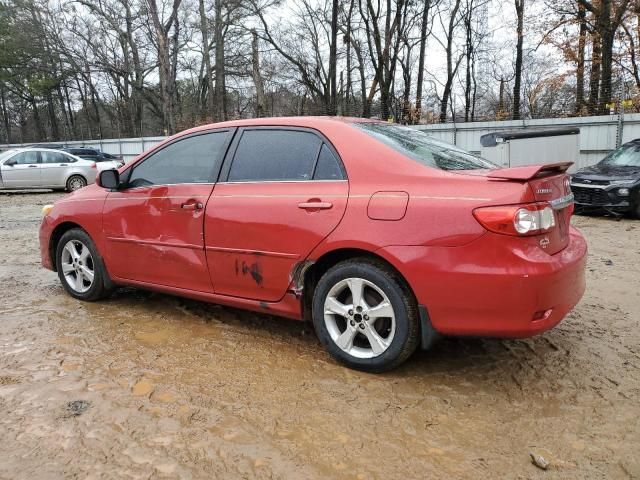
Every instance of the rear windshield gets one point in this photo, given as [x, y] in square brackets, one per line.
[423, 148]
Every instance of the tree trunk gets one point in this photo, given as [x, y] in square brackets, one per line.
[469, 60]
[333, 51]
[594, 76]
[207, 111]
[53, 119]
[5, 115]
[606, 86]
[41, 135]
[220, 87]
[500, 112]
[582, 40]
[349, 86]
[257, 77]
[518, 73]
[421, 58]
[451, 71]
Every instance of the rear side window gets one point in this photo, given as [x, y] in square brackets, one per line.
[191, 160]
[327, 167]
[53, 157]
[424, 149]
[264, 155]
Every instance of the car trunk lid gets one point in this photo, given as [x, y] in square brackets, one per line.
[548, 184]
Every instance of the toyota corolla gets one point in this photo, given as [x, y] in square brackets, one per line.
[380, 235]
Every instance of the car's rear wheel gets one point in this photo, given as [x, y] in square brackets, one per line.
[636, 210]
[365, 315]
[80, 267]
[76, 182]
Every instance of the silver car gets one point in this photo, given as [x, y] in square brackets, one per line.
[43, 168]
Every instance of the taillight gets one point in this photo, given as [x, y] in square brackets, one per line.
[529, 219]
[94, 165]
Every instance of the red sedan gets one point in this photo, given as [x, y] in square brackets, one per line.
[384, 237]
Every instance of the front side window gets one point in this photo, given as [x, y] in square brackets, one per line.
[54, 157]
[275, 155]
[424, 149]
[26, 158]
[191, 160]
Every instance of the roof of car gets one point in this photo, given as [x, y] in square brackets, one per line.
[310, 121]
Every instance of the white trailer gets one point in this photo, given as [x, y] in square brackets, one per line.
[515, 148]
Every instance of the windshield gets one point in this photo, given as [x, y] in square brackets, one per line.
[626, 156]
[6, 154]
[423, 148]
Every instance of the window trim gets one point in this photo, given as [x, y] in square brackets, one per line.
[223, 176]
[230, 131]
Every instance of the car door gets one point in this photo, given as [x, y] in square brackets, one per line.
[154, 224]
[22, 170]
[53, 168]
[282, 191]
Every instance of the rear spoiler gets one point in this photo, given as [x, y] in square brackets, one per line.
[530, 171]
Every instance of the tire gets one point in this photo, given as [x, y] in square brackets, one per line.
[336, 318]
[77, 256]
[636, 209]
[76, 182]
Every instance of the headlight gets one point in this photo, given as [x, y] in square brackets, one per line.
[621, 182]
[623, 192]
[46, 210]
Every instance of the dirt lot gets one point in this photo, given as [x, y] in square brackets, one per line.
[151, 386]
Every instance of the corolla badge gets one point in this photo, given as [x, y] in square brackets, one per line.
[543, 191]
[544, 243]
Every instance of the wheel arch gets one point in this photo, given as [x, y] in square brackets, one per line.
[55, 237]
[328, 259]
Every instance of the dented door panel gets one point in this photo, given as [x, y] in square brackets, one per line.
[255, 233]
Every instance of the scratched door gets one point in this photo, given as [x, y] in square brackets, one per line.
[283, 194]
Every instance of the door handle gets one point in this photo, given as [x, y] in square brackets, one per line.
[33, 166]
[315, 205]
[192, 206]
[63, 165]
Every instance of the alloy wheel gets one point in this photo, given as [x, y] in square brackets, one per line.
[77, 266]
[359, 318]
[76, 183]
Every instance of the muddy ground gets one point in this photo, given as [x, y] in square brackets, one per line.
[151, 386]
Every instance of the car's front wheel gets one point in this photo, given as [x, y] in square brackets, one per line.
[365, 315]
[80, 267]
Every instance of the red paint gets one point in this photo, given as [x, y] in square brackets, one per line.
[261, 229]
[242, 247]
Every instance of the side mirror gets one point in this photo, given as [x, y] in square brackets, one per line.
[10, 163]
[109, 179]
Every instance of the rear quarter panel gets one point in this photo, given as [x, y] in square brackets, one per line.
[440, 205]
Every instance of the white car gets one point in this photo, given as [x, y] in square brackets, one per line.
[43, 168]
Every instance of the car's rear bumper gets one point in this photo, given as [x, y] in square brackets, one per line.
[495, 286]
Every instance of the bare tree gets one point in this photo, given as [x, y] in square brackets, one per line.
[519, 4]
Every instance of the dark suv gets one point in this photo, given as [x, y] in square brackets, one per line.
[613, 184]
[93, 154]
